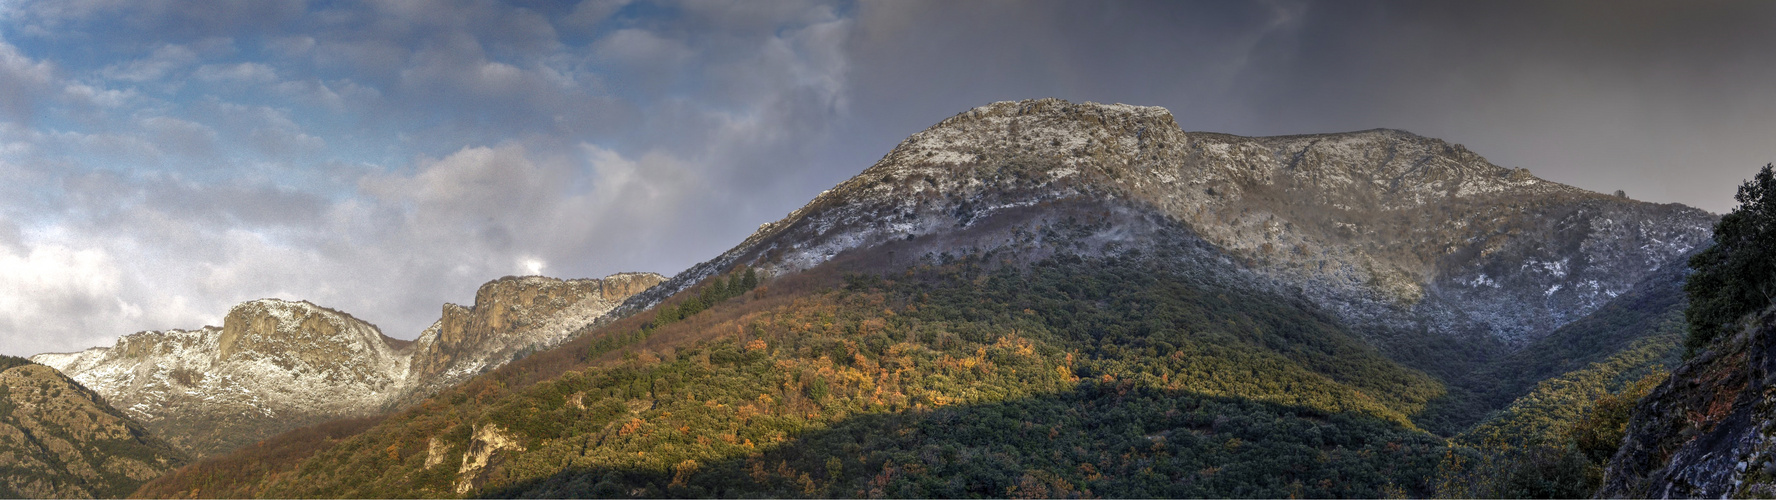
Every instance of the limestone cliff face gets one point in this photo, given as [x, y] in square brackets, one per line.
[61, 440]
[1386, 228]
[275, 365]
[511, 316]
[301, 337]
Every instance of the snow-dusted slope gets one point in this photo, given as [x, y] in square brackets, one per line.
[1384, 227]
[274, 365]
[271, 361]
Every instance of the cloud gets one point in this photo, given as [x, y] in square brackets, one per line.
[335, 96]
[53, 296]
[382, 158]
[22, 81]
[158, 65]
[187, 138]
[241, 73]
[588, 13]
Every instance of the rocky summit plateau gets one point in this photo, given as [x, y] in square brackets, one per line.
[276, 365]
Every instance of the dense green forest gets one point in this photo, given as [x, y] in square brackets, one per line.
[1555, 441]
[1071, 377]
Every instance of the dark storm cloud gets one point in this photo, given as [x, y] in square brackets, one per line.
[1670, 101]
[1664, 99]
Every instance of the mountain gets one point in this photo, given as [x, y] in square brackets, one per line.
[1434, 255]
[1383, 227]
[61, 440]
[1042, 298]
[276, 365]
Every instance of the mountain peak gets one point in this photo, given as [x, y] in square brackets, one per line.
[1371, 223]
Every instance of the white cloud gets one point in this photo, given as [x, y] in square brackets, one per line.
[89, 95]
[547, 172]
[642, 47]
[181, 136]
[158, 65]
[335, 96]
[22, 80]
[589, 13]
[53, 296]
[247, 72]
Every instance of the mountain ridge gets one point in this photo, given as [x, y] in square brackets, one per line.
[275, 364]
[1230, 191]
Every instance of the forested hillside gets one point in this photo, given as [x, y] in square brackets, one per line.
[947, 380]
[1042, 299]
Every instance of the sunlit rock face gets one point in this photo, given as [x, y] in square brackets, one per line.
[1387, 229]
[275, 365]
[512, 316]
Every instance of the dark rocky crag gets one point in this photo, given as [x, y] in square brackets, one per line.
[1706, 431]
[61, 440]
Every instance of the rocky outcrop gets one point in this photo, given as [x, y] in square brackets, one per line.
[1385, 228]
[61, 440]
[276, 365]
[484, 447]
[512, 316]
[1707, 431]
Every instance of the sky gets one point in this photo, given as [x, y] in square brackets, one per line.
[161, 161]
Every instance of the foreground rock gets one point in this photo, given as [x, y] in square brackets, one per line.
[1706, 432]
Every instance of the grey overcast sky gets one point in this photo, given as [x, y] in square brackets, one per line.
[161, 161]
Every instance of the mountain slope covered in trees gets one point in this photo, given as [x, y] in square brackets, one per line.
[1042, 298]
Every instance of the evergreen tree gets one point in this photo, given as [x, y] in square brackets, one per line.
[750, 280]
[1736, 276]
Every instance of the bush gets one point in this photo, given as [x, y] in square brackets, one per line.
[1736, 276]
